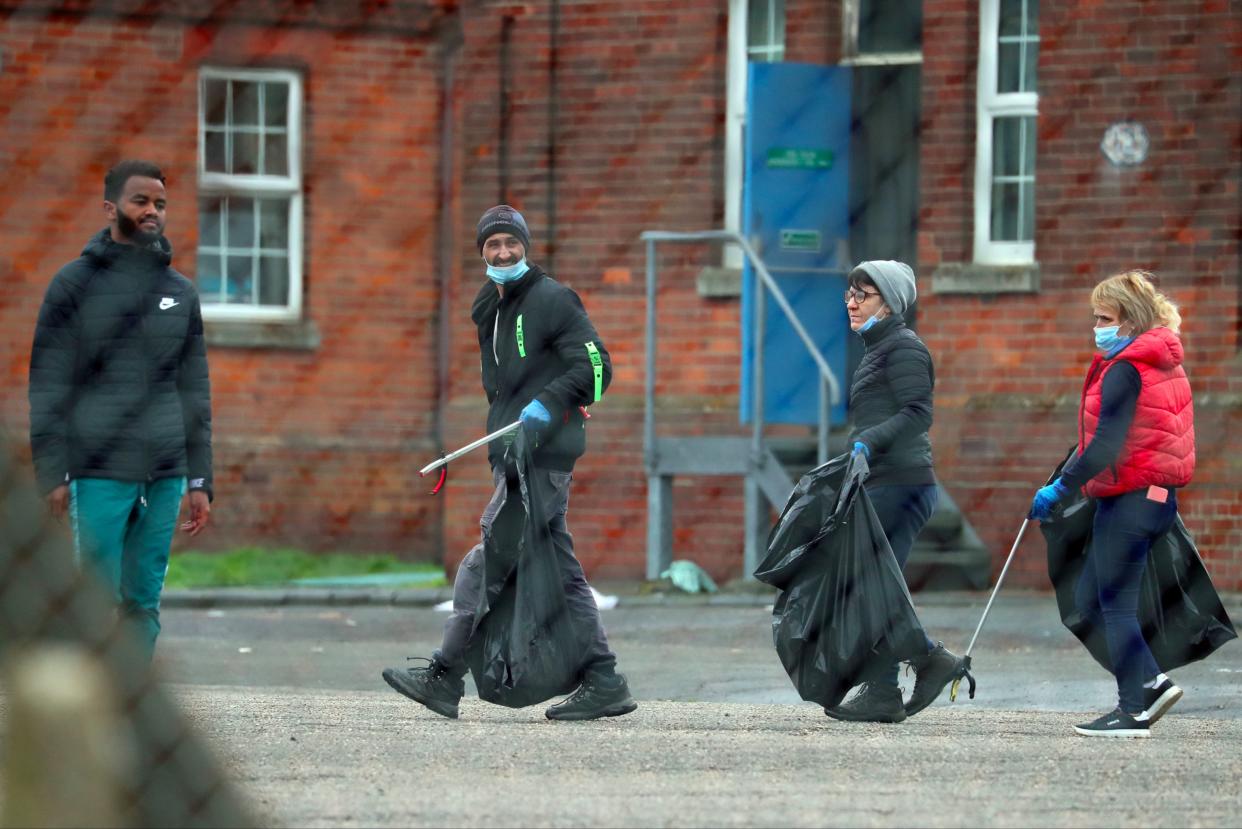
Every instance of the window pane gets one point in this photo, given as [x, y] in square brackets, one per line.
[1026, 223]
[757, 33]
[213, 152]
[276, 104]
[241, 223]
[274, 224]
[1006, 201]
[1010, 17]
[245, 104]
[1006, 147]
[210, 284]
[1032, 17]
[274, 280]
[1030, 54]
[245, 152]
[1028, 146]
[1009, 67]
[890, 26]
[276, 154]
[241, 280]
[209, 222]
[215, 98]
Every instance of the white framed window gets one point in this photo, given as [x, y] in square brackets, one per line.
[765, 31]
[881, 32]
[1005, 143]
[249, 263]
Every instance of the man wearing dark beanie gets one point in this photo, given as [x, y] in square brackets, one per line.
[543, 363]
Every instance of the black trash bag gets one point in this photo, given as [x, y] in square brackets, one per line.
[526, 646]
[1180, 611]
[844, 615]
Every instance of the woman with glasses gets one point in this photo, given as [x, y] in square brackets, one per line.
[891, 411]
[1136, 442]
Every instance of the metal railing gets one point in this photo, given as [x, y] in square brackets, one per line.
[829, 388]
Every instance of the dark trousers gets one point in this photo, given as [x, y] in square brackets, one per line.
[903, 511]
[1125, 527]
[469, 581]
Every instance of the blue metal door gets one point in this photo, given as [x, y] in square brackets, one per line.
[796, 215]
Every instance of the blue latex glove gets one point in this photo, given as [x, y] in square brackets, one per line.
[1046, 497]
[535, 416]
[859, 446]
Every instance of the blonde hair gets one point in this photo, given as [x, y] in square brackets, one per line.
[1133, 293]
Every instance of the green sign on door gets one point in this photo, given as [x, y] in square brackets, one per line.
[806, 240]
[791, 158]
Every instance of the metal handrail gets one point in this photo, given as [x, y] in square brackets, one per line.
[830, 389]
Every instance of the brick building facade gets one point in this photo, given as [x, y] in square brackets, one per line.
[600, 120]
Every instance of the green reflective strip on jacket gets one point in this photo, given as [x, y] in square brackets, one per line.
[597, 365]
[521, 338]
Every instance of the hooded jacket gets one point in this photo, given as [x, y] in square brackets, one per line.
[1159, 448]
[537, 343]
[891, 405]
[118, 371]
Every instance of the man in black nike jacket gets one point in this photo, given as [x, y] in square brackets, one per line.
[542, 363]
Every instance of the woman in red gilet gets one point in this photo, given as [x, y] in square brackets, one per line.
[1136, 447]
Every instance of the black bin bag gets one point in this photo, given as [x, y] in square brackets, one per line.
[527, 646]
[1180, 611]
[843, 615]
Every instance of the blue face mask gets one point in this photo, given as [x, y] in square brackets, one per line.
[872, 320]
[1107, 339]
[508, 273]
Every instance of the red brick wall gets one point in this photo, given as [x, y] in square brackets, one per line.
[314, 448]
[1010, 367]
[317, 448]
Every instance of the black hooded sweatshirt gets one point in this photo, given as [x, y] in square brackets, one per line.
[118, 371]
[537, 343]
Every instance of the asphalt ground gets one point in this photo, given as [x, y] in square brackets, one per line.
[292, 701]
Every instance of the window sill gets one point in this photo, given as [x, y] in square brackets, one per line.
[302, 335]
[719, 282]
[972, 278]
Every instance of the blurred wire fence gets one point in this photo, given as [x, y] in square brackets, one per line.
[90, 736]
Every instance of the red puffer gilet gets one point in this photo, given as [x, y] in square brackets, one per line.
[1160, 446]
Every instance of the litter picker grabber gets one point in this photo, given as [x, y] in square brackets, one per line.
[443, 462]
[965, 670]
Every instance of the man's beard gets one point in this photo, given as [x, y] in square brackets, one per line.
[131, 230]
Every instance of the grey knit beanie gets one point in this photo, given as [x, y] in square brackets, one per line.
[895, 281]
[502, 219]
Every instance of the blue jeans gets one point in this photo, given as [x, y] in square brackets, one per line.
[1125, 527]
[123, 530]
[903, 511]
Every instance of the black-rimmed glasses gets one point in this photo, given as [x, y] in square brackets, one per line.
[858, 295]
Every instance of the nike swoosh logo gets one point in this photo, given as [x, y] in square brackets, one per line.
[167, 302]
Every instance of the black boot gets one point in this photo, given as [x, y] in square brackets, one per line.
[435, 686]
[599, 695]
[931, 674]
[876, 702]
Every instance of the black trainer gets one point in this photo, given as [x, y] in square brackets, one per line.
[876, 702]
[1157, 701]
[596, 697]
[931, 674]
[435, 686]
[1116, 724]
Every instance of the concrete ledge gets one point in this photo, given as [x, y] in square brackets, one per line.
[970, 278]
[292, 336]
[718, 282]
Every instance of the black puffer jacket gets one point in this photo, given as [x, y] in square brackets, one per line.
[118, 371]
[891, 405]
[537, 343]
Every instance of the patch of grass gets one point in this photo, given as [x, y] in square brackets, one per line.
[259, 567]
